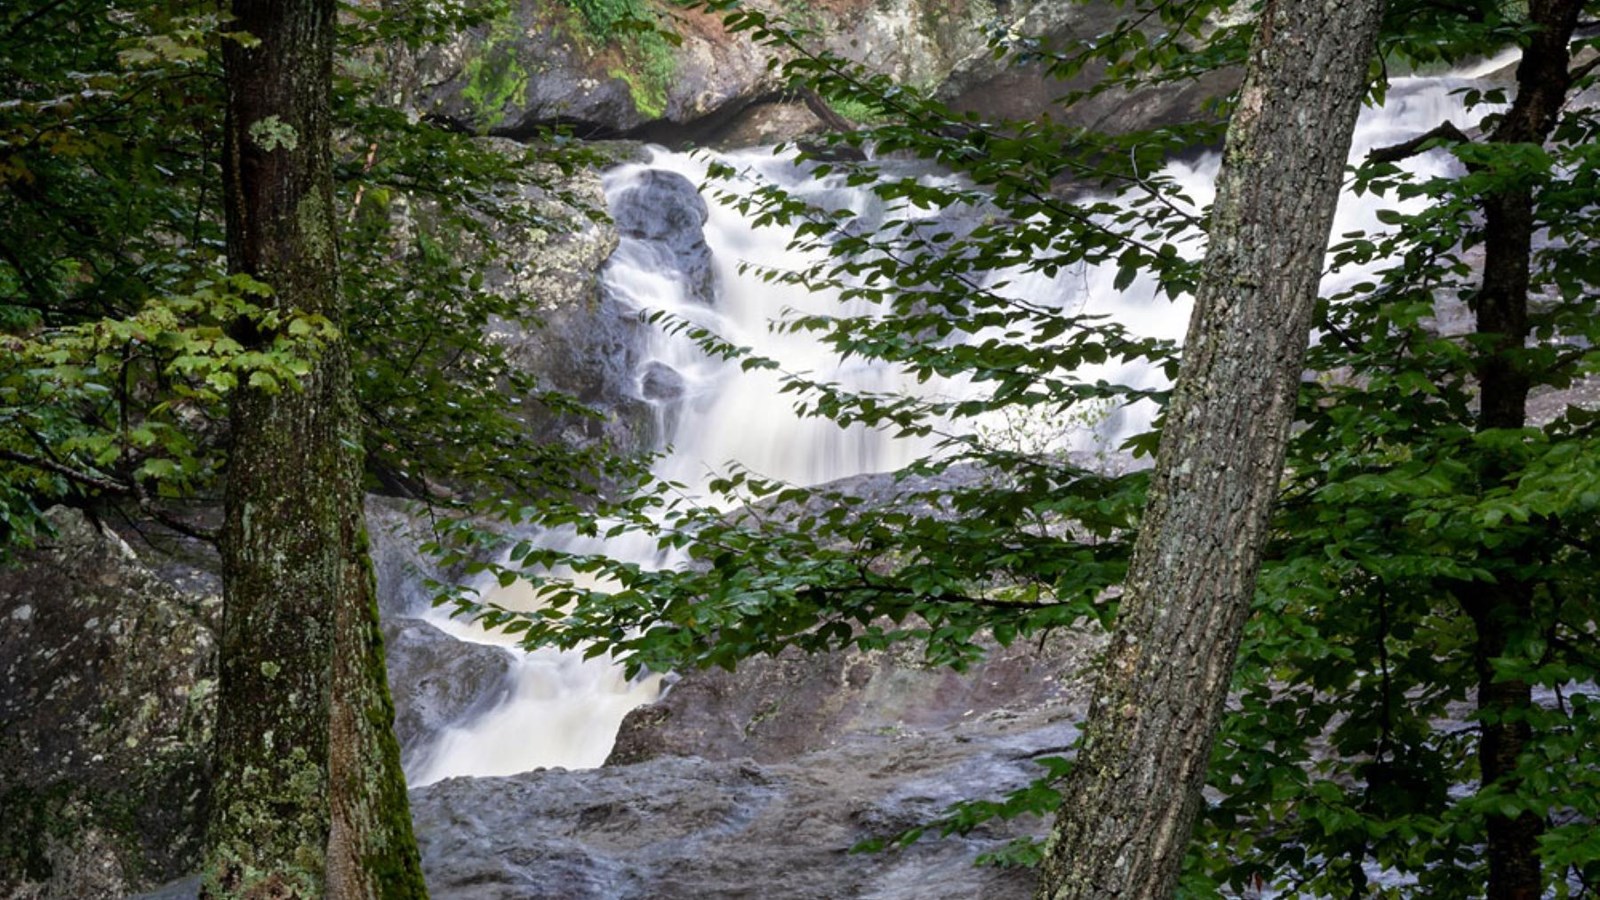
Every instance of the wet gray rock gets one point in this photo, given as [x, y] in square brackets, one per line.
[661, 382]
[182, 889]
[590, 352]
[686, 827]
[395, 537]
[664, 212]
[437, 682]
[776, 709]
[107, 682]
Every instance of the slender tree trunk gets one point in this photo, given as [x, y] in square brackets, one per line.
[309, 798]
[1500, 607]
[1132, 796]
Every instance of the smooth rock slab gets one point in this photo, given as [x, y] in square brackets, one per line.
[684, 827]
[439, 681]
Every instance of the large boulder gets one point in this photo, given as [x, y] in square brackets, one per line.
[108, 689]
[776, 709]
[107, 686]
[541, 64]
[685, 828]
[998, 89]
[438, 682]
[664, 214]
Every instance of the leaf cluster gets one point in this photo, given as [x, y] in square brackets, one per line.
[1349, 748]
[124, 333]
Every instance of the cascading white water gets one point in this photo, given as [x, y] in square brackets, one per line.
[563, 710]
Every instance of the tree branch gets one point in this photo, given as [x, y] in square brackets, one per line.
[1584, 69]
[1408, 149]
[820, 108]
[77, 476]
[113, 487]
[23, 23]
[155, 511]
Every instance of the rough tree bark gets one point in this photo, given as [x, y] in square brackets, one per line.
[309, 798]
[1131, 799]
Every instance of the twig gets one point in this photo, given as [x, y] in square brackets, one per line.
[1408, 149]
[77, 476]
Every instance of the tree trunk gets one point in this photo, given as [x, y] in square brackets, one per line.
[1498, 608]
[309, 800]
[1131, 799]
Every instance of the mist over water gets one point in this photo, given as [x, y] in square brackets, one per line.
[565, 711]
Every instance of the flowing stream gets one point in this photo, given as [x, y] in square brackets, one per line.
[565, 711]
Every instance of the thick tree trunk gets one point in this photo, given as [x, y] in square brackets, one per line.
[309, 798]
[1501, 306]
[1132, 796]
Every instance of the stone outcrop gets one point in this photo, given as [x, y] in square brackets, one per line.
[107, 697]
[540, 64]
[438, 681]
[107, 680]
[776, 709]
[683, 828]
[1007, 89]
[664, 212]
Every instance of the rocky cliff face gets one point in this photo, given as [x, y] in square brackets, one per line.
[750, 784]
[107, 698]
[107, 682]
[544, 63]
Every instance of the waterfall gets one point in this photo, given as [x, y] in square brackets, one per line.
[565, 711]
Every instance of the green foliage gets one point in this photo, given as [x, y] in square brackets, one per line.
[494, 76]
[648, 71]
[1351, 745]
[114, 305]
[1399, 504]
[861, 112]
[123, 334]
[610, 19]
[632, 30]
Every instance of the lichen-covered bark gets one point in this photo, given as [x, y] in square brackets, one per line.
[309, 800]
[1497, 607]
[1131, 799]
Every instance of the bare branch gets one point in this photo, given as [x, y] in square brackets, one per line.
[76, 476]
[1408, 149]
[1584, 69]
[156, 511]
[820, 108]
[114, 487]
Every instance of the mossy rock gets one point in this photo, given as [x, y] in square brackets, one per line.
[105, 717]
